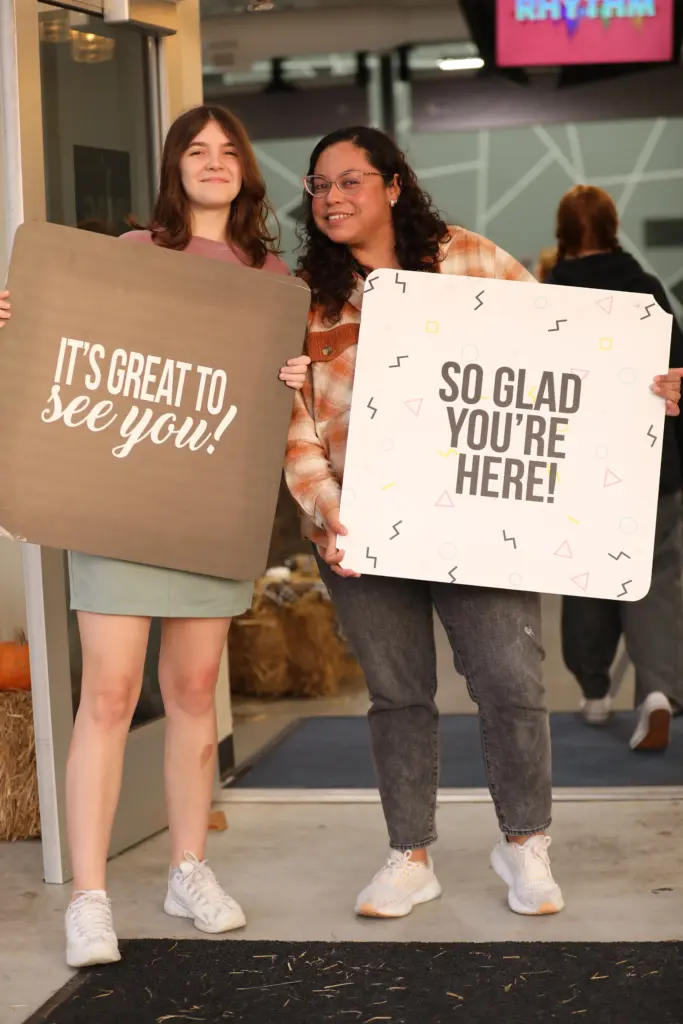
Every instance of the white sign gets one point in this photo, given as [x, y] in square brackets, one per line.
[505, 435]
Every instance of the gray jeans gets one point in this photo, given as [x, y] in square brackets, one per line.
[652, 628]
[495, 638]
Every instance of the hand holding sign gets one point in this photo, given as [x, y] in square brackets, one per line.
[668, 386]
[5, 309]
[330, 551]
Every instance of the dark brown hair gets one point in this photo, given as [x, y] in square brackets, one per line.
[328, 267]
[247, 227]
[587, 218]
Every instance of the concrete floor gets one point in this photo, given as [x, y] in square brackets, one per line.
[296, 873]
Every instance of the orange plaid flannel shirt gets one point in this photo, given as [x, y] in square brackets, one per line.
[316, 447]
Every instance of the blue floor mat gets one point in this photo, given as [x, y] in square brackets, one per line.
[334, 753]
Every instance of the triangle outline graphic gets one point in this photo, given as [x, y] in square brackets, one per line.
[606, 303]
[582, 373]
[581, 581]
[564, 550]
[448, 503]
[611, 479]
[414, 401]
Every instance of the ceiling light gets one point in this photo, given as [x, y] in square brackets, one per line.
[261, 5]
[89, 48]
[461, 64]
[53, 27]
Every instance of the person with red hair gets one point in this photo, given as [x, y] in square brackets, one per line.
[589, 256]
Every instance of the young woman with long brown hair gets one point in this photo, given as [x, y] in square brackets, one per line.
[211, 203]
[366, 211]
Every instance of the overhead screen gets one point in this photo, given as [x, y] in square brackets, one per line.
[543, 33]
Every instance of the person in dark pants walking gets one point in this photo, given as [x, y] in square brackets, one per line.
[589, 256]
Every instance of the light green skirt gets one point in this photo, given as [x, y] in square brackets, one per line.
[109, 587]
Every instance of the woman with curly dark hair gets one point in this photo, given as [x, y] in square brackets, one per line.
[366, 211]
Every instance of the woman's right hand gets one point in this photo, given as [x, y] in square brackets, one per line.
[329, 551]
[5, 308]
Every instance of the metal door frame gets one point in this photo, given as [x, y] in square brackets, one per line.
[142, 810]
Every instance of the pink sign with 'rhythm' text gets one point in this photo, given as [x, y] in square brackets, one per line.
[545, 33]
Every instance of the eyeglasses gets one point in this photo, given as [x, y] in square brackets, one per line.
[348, 183]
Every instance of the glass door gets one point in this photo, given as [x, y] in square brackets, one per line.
[101, 126]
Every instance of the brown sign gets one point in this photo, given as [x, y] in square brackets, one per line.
[141, 415]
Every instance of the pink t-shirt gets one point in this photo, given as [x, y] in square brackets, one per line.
[214, 251]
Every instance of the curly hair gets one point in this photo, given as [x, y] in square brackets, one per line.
[247, 227]
[330, 268]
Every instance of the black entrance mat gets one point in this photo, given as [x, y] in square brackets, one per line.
[163, 981]
[334, 753]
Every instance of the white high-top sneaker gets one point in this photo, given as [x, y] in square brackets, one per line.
[195, 892]
[90, 935]
[398, 887]
[525, 869]
[654, 725]
[596, 712]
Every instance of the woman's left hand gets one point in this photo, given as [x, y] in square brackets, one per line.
[294, 373]
[668, 387]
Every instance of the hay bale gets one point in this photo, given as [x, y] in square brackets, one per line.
[315, 649]
[19, 809]
[290, 643]
[258, 650]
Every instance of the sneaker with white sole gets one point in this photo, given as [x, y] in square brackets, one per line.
[194, 892]
[596, 712]
[90, 935]
[654, 725]
[398, 887]
[525, 869]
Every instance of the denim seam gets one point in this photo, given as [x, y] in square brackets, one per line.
[527, 832]
[487, 761]
[402, 847]
[435, 770]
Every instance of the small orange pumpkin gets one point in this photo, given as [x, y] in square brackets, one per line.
[15, 668]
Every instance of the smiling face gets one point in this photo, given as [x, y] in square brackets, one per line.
[211, 169]
[356, 219]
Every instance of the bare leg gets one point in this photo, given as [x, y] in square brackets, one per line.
[114, 650]
[191, 651]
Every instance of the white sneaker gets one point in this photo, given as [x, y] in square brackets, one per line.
[654, 725]
[596, 712]
[525, 869]
[194, 892]
[90, 935]
[398, 887]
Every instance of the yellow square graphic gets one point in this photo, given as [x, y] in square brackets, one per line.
[432, 327]
[605, 344]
